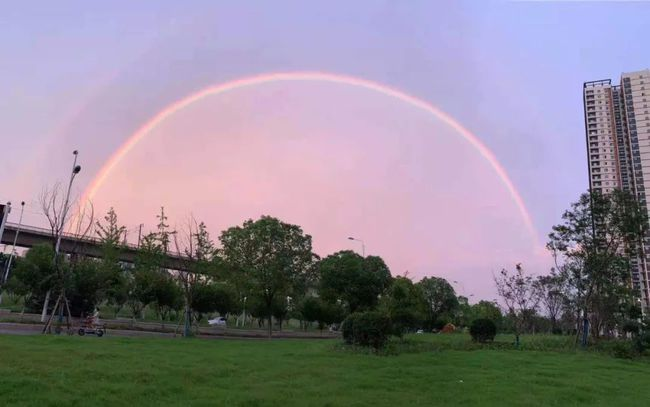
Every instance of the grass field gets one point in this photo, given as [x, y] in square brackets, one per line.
[38, 370]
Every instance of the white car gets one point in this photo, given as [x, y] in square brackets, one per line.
[218, 321]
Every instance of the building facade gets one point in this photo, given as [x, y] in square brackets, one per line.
[617, 126]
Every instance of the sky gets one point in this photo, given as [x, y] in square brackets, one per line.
[337, 159]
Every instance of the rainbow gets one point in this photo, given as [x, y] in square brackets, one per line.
[170, 110]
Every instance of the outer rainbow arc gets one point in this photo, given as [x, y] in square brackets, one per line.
[318, 77]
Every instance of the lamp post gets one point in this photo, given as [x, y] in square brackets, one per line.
[62, 298]
[75, 170]
[363, 245]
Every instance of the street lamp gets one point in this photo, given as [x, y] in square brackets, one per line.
[363, 245]
[62, 298]
[75, 170]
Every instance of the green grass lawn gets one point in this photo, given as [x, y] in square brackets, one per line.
[40, 370]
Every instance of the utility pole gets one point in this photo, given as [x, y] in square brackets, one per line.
[140, 234]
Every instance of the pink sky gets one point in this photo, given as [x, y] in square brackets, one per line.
[338, 161]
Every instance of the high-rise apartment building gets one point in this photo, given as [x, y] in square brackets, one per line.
[617, 125]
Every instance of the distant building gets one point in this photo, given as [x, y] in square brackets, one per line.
[617, 125]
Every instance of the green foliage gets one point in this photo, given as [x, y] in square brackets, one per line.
[203, 299]
[520, 294]
[593, 246]
[487, 310]
[441, 301]
[310, 309]
[347, 328]
[314, 309]
[225, 299]
[167, 294]
[33, 275]
[116, 288]
[403, 303]
[370, 329]
[87, 287]
[110, 232]
[483, 330]
[348, 277]
[272, 255]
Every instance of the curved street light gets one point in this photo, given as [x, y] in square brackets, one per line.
[363, 245]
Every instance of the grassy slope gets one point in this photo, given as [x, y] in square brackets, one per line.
[118, 371]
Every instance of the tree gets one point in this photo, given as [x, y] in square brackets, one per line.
[314, 309]
[403, 303]
[144, 275]
[163, 231]
[110, 232]
[201, 267]
[272, 255]
[112, 271]
[440, 298]
[167, 295]
[280, 309]
[225, 299]
[552, 289]
[376, 267]
[87, 286]
[203, 300]
[487, 310]
[310, 309]
[33, 276]
[595, 248]
[56, 210]
[348, 277]
[520, 296]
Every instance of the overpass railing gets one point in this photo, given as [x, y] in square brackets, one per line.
[72, 236]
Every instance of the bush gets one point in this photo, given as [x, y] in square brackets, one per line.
[483, 330]
[370, 329]
[623, 350]
[641, 342]
[347, 328]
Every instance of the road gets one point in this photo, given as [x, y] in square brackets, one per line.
[11, 328]
[8, 328]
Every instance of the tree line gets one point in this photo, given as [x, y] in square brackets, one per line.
[266, 270]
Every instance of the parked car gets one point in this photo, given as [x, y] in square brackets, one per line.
[218, 321]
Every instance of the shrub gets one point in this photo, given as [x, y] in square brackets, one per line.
[623, 350]
[483, 330]
[641, 342]
[631, 326]
[370, 329]
[347, 328]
